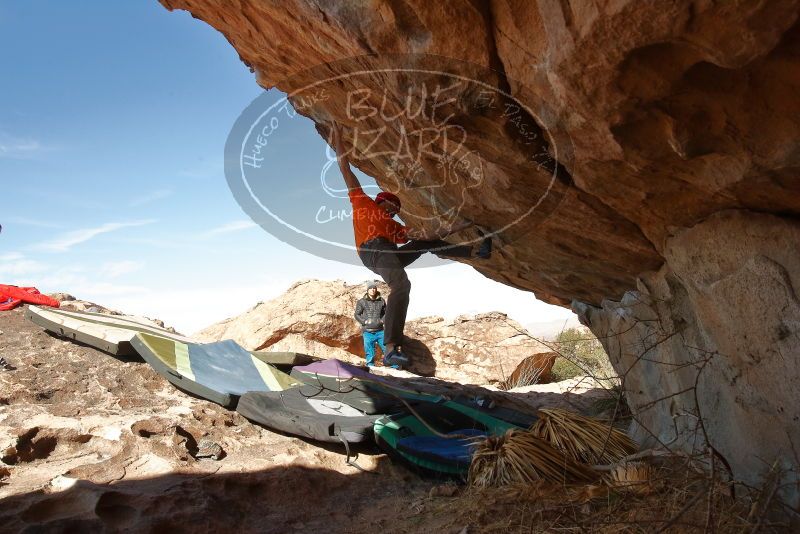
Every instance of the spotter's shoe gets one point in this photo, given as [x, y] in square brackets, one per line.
[396, 359]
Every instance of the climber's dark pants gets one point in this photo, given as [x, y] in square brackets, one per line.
[389, 261]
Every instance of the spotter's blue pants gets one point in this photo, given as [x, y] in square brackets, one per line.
[370, 338]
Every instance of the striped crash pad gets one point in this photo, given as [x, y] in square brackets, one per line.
[109, 333]
[114, 333]
[220, 372]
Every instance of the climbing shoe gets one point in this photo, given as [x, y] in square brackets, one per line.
[485, 250]
[395, 359]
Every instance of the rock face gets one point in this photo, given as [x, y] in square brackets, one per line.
[316, 317]
[475, 350]
[713, 337]
[658, 120]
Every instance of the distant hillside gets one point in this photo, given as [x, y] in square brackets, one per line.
[550, 329]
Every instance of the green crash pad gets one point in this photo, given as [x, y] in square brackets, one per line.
[399, 435]
[109, 333]
[220, 372]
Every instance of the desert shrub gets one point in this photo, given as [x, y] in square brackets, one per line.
[582, 354]
[564, 369]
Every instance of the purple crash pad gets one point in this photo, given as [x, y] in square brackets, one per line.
[328, 372]
[340, 370]
[337, 369]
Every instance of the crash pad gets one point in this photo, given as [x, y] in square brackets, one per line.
[220, 372]
[367, 400]
[432, 454]
[336, 375]
[455, 449]
[294, 413]
[110, 333]
[332, 368]
[487, 406]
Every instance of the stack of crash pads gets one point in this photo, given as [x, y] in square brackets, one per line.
[342, 402]
[333, 404]
[219, 372]
[326, 400]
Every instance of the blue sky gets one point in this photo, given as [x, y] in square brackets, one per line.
[113, 121]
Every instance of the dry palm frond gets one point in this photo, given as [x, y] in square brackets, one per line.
[581, 438]
[634, 477]
[518, 457]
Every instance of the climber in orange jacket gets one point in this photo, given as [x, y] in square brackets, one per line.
[377, 237]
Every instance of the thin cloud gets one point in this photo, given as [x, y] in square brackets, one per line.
[18, 148]
[94, 291]
[70, 239]
[11, 256]
[15, 266]
[115, 269]
[233, 226]
[168, 243]
[15, 147]
[154, 196]
[203, 170]
[25, 221]
[76, 282]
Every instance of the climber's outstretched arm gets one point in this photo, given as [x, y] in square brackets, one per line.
[350, 179]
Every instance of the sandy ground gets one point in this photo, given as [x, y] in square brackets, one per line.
[92, 443]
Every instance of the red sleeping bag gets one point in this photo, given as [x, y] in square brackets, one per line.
[13, 296]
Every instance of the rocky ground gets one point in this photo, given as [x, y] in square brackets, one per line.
[92, 443]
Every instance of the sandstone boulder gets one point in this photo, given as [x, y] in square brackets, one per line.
[316, 317]
[655, 118]
[709, 344]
